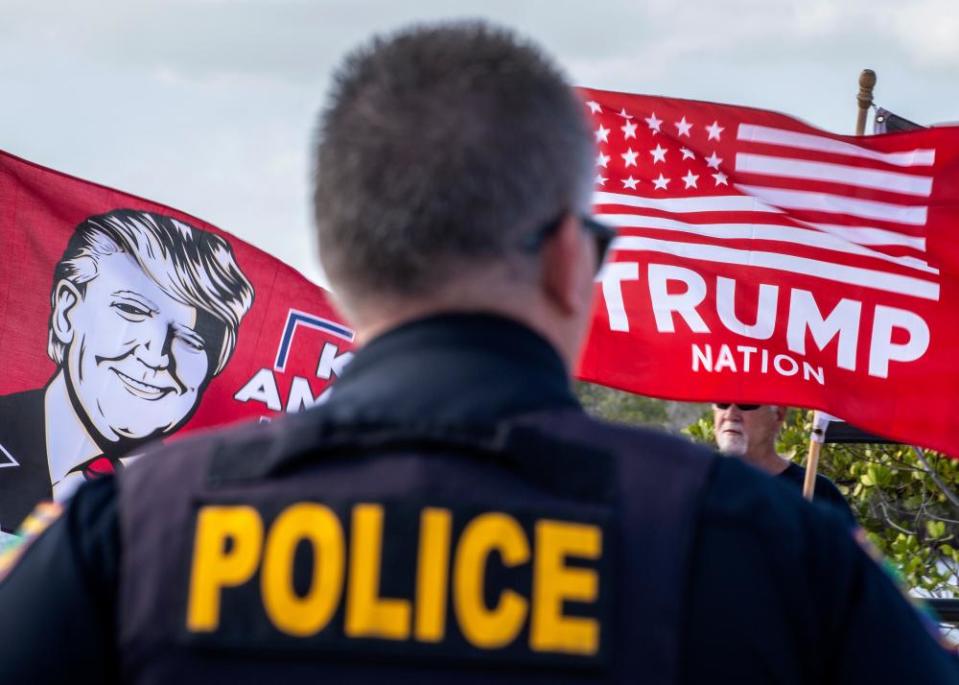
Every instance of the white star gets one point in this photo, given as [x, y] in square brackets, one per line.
[687, 153]
[659, 154]
[683, 126]
[624, 115]
[594, 106]
[719, 179]
[629, 130]
[653, 123]
[713, 161]
[690, 179]
[602, 134]
[600, 180]
[661, 182]
[602, 160]
[629, 157]
[630, 183]
[714, 130]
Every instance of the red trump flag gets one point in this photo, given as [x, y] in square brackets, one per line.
[762, 260]
[123, 321]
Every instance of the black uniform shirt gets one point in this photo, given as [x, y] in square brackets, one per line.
[826, 491]
[753, 614]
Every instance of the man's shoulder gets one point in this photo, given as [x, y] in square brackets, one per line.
[759, 530]
[765, 566]
[751, 506]
[827, 492]
[825, 485]
[737, 489]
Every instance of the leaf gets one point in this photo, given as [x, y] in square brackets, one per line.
[936, 529]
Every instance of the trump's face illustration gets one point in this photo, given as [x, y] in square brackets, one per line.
[137, 359]
[145, 311]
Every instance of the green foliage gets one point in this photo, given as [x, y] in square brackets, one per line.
[906, 514]
[624, 407]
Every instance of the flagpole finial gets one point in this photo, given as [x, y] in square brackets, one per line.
[867, 81]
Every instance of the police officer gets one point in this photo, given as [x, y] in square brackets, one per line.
[451, 515]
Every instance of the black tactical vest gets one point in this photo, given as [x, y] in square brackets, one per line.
[549, 548]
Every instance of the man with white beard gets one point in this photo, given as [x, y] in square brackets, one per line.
[749, 431]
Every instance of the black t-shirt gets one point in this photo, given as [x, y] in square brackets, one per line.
[777, 589]
[826, 491]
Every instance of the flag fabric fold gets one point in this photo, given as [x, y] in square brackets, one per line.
[888, 122]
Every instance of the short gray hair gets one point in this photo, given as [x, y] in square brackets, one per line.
[443, 146]
[193, 266]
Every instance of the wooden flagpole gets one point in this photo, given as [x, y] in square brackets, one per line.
[867, 81]
[816, 439]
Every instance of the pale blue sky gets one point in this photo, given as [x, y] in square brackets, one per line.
[208, 105]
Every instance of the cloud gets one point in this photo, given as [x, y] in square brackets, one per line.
[299, 41]
[926, 30]
[207, 105]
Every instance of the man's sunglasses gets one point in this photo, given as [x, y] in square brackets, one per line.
[741, 407]
[601, 234]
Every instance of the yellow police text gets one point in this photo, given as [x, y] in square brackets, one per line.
[232, 544]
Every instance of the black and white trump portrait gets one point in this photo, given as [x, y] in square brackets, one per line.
[144, 312]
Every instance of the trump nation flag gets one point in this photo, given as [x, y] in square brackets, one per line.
[123, 321]
[762, 260]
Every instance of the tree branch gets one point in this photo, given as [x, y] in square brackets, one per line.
[940, 518]
[950, 495]
[892, 523]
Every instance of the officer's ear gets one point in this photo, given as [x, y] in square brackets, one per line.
[568, 268]
[65, 298]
